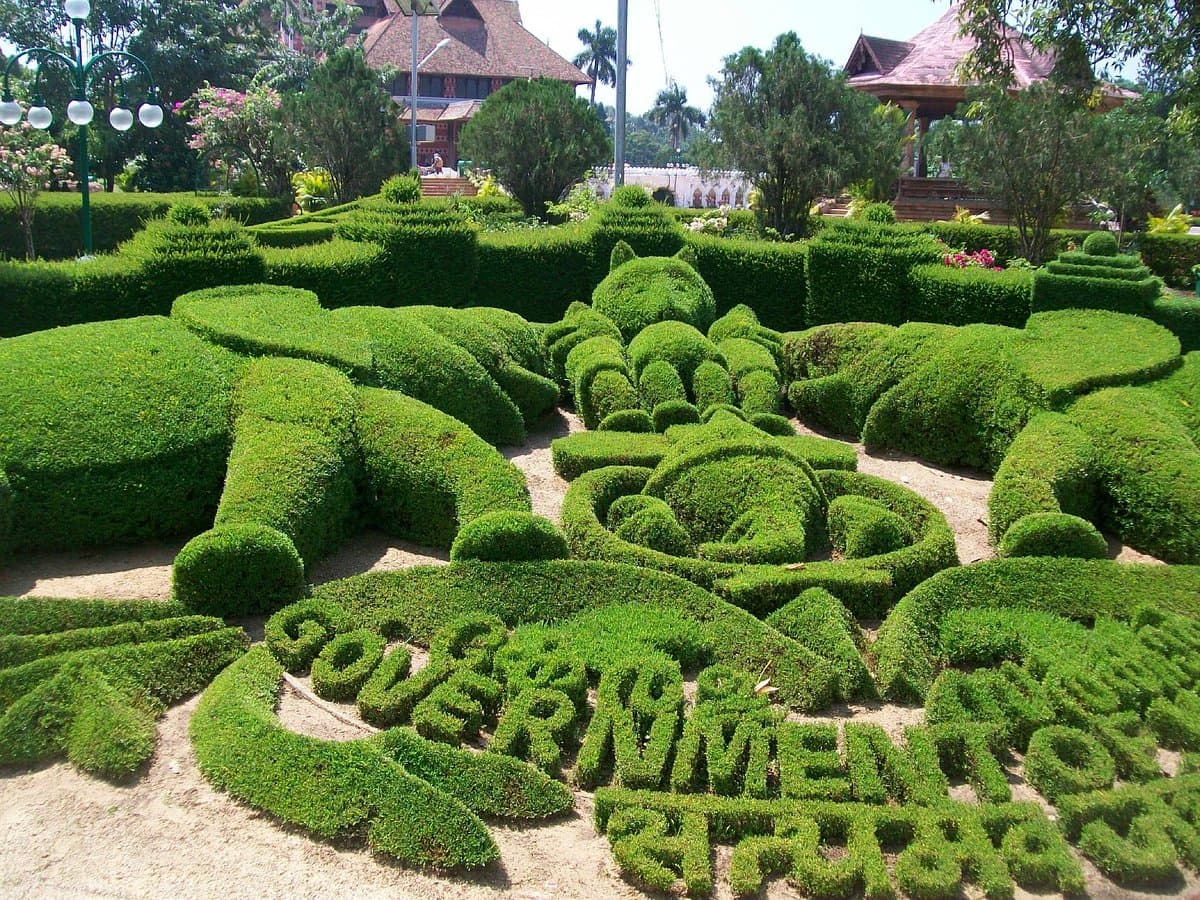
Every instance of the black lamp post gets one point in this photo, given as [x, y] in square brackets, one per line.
[79, 110]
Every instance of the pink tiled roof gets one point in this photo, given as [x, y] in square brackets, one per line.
[487, 39]
[934, 57]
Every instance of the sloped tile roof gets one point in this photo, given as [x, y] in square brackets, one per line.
[494, 45]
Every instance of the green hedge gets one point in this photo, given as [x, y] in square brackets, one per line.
[963, 296]
[293, 234]
[115, 218]
[536, 274]
[111, 433]
[860, 272]
[1002, 240]
[767, 277]
[340, 273]
[1171, 257]
[1095, 281]
[35, 296]
[1180, 315]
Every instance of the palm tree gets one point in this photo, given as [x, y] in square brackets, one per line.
[671, 109]
[599, 57]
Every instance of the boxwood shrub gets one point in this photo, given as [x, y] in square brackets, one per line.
[340, 273]
[1171, 257]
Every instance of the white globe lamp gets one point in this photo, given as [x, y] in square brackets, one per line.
[80, 112]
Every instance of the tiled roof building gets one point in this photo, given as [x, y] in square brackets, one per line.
[486, 46]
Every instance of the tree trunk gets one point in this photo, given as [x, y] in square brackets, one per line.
[26, 217]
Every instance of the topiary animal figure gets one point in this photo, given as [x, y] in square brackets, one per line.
[639, 292]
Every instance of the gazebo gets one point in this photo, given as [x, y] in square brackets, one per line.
[923, 76]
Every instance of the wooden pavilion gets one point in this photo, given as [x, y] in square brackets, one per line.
[923, 76]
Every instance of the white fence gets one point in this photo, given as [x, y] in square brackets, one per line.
[689, 187]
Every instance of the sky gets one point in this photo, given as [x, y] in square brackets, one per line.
[698, 34]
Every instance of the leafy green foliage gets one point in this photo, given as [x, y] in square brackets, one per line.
[537, 137]
[774, 113]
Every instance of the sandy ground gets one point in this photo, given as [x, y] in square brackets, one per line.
[63, 834]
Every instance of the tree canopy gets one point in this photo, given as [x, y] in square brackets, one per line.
[671, 110]
[786, 119]
[598, 59]
[538, 139]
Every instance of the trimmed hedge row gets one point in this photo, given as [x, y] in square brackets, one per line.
[339, 272]
[962, 296]
[115, 219]
[1171, 257]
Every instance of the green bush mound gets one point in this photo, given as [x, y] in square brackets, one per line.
[578, 324]
[412, 358]
[600, 380]
[1181, 389]
[1050, 467]
[536, 274]
[1179, 315]
[111, 433]
[863, 272]
[680, 345]
[1098, 278]
[42, 295]
[963, 296]
[640, 292]
[268, 320]
[417, 602]
[426, 474]
[859, 527]
[845, 369]
[509, 535]
[1149, 466]
[115, 218]
[578, 453]
[504, 344]
[648, 231]
[819, 621]
[94, 694]
[835, 848]
[238, 570]
[907, 649]
[1135, 833]
[967, 401]
[416, 803]
[292, 234]
[1053, 534]
[339, 272]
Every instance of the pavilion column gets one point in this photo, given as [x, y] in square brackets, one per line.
[910, 128]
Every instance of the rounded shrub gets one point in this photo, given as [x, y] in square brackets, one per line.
[654, 289]
[190, 214]
[674, 412]
[509, 536]
[713, 409]
[1100, 243]
[1062, 761]
[238, 570]
[656, 527]
[401, 189]
[677, 343]
[659, 382]
[632, 195]
[345, 664]
[777, 425]
[712, 385]
[631, 420]
[879, 214]
[860, 527]
[1053, 534]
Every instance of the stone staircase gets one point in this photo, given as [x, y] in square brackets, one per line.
[446, 186]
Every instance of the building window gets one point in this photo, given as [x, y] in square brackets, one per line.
[430, 85]
[474, 88]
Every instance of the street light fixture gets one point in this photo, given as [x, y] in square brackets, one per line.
[80, 111]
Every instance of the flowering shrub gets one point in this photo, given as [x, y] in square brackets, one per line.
[29, 159]
[980, 259]
[242, 129]
[714, 221]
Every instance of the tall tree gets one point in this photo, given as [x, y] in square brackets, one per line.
[1034, 152]
[598, 60]
[671, 109]
[784, 118]
[538, 139]
[347, 124]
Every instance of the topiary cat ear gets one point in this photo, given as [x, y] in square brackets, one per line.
[621, 254]
[688, 255]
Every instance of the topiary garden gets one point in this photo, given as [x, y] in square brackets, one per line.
[730, 636]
